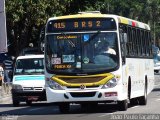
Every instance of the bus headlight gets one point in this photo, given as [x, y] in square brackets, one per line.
[54, 85]
[111, 83]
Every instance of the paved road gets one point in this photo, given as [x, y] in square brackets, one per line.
[46, 111]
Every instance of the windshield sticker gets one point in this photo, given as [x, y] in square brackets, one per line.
[56, 61]
[78, 65]
[68, 58]
[62, 66]
[86, 60]
[54, 55]
[85, 38]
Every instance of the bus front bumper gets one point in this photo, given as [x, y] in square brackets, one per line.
[76, 96]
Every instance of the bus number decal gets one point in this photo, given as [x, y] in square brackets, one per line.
[59, 25]
[76, 24]
[98, 23]
[90, 24]
[85, 24]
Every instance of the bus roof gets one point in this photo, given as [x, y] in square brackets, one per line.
[120, 19]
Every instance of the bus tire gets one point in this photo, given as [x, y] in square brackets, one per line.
[29, 102]
[64, 107]
[143, 99]
[129, 90]
[134, 101]
[156, 71]
[15, 103]
[123, 105]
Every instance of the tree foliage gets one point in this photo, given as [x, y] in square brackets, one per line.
[25, 18]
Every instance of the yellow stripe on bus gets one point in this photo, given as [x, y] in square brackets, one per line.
[88, 15]
[101, 82]
[124, 20]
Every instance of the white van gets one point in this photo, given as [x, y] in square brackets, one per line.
[157, 63]
[28, 80]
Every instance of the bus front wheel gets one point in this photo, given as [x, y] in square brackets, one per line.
[64, 107]
[123, 105]
[15, 103]
[29, 103]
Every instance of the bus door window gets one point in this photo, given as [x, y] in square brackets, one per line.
[88, 48]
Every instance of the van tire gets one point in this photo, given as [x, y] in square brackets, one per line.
[15, 103]
[29, 103]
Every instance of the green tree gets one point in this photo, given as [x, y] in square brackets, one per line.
[25, 18]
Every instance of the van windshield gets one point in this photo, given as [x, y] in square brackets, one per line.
[29, 66]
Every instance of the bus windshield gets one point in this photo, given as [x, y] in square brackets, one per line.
[29, 66]
[82, 53]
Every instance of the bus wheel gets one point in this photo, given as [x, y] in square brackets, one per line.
[156, 71]
[64, 107]
[15, 103]
[29, 102]
[143, 99]
[123, 105]
[134, 101]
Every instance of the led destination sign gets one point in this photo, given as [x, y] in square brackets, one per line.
[85, 24]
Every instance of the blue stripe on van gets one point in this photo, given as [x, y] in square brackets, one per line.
[17, 78]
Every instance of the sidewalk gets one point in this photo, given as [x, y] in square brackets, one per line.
[5, 94]
[6, 99]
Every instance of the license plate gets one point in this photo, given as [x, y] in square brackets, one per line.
[33, 98]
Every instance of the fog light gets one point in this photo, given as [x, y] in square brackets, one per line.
[110, 94]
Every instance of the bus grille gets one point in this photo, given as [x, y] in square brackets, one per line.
[82, 94]
[82, 80]
[79, 87]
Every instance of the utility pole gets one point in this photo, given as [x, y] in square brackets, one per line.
[3, 33]
[154, 32]
[108, 7]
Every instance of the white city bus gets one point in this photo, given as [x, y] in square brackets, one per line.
[92, 58]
